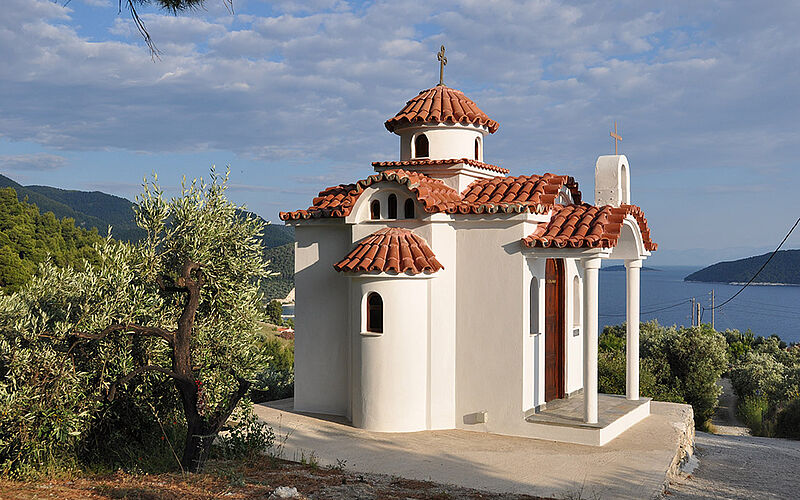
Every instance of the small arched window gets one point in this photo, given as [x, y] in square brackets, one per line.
[408, 209]
[477, 149]
[421, 146]
[375, 210]
[374, 313]
[392, 208]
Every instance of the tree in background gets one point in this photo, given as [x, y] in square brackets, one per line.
[180, 306]
[28, 238]
[274, 312]
[676, 364]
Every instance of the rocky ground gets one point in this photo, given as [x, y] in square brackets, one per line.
[263, 478]
[743, 467]
[733, 464]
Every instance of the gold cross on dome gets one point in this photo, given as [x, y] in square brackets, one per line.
[442, 63]
[616, 136]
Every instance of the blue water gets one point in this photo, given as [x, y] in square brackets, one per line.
[763, 309]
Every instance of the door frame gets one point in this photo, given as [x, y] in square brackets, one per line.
[559, 329]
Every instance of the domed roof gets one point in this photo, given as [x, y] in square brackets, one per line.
[441, 104]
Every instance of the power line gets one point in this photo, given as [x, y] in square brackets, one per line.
[682, 302]
[761, 268]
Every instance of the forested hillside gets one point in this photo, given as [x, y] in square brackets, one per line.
[281, 261]
[99, 211]
[27, 237]
[88, 209]
[783, 268]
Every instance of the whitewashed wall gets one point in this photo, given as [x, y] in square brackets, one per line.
[321, 324]
[446, 141]
[391, 375]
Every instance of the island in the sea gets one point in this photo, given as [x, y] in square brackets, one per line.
[622, 268]
[783, 269]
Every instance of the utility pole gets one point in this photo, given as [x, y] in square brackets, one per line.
[693, 309]
[713, 324]
[698, 313]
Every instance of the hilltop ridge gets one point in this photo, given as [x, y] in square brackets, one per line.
[784, 268]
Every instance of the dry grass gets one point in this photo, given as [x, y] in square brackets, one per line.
[238, 480]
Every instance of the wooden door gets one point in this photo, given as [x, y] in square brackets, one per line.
[554, 330]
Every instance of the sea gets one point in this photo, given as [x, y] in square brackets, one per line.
[665, 297]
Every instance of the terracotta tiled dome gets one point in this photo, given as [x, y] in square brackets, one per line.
[441, 105]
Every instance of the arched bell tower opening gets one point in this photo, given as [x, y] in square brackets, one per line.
[421, 149]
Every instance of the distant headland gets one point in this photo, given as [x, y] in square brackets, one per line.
[622, 268]
[783, 269]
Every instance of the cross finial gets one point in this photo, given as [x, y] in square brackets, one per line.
[442, 63]
[616, 136]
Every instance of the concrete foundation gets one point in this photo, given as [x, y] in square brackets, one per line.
[634, 465]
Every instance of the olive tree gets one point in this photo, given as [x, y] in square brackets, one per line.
[182, 305]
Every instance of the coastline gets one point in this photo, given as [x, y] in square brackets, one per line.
[742, 283]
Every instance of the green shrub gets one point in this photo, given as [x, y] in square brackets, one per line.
[788, 420]
[758, 374]
[676, 364]
[753, 411]
[247, 437]
[275, 380]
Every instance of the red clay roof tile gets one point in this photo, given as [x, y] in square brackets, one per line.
[587, 226]
[338, 201]
[441, 105]
[454, 161]
[390, 250]
[535, 193]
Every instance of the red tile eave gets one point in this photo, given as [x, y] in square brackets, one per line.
[588, 226]
[533, 193]
[390, 250]
[454, 161]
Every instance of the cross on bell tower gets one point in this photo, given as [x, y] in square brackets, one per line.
[617, 137]
[442, 63]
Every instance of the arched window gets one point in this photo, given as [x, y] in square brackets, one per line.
[477, 149]
[576, 305]
[408, 209]
[534, 306]
[374, 313]
[392, 208]
[624, 184]
[421, 146]
[375, 210]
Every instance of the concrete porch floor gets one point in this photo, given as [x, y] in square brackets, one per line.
[634, 465]
[569, 411]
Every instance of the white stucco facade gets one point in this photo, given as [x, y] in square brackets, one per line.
[465, 346]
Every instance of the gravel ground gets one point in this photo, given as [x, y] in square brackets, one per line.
[725, 421]
[741, 467]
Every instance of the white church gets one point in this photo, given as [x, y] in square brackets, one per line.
[441, 293]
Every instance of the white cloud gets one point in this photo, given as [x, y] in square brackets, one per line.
[709, 84]
[33, 161]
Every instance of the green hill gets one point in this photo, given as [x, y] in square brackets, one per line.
[98, 210]
[28, 237]
[783, 268]
[281, 261]
[88, 209]
[95, 209]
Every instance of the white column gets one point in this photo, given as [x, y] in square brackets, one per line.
[590, 336]
[632, 268]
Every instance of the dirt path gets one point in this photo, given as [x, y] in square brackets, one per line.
[725, 421]
[741, 467]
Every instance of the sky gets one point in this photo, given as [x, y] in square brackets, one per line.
[293, 96]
